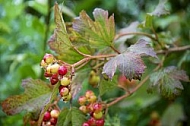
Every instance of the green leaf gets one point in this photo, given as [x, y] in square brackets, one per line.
[107, 85]
[148, 21]
[36, 95]
[130, 63]
[160, 9]
[59, 41]
[167, 82]
[173, 114]
[71, 117]
[99, 33]
[48, 105]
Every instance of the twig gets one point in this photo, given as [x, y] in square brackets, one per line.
[114, 49]
[86, 55]
[135, 33]
[175, 49]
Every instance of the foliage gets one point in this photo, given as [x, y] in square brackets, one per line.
[98, 45]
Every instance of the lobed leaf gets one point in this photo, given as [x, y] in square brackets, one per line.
[107, 85]
[59, 41]
[37, 94]
[99, 33]
[130, 63]
[167, 82]
[71, 117]
[142, 48]
[160, 9]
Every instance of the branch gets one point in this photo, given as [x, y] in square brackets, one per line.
[135, 33]
[175, 49]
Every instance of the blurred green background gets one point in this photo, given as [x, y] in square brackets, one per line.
[26, 25]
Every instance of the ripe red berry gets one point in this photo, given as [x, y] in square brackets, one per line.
[85, 124]
[62, 70]
[92, 121]
[82, 100]
[54, 113]
[53, 121]
[46, 74]
[97, 107]
[47, 116]
[100, 122]
[54, 79]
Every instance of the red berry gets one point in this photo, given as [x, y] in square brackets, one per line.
[82, 100]
[47, 116]
[100, 122]
[54, 113]
[62, 70]
[64, 91]
[46, 74]
[54, 79]
[92, 121]
[53, 121]
[97, 107]
[48, 58]
[85, 124]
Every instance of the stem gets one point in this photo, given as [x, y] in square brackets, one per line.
[114, 49]
[135, 33]
[175, 49]
[86, 55]
[136, 88]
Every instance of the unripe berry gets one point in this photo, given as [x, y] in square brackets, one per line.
[97, 107]
[65, 81]
[67, 97]
[92, 99]
[94, 80]
[62, 70]
[85, 124]
[43, 64]
[98, 115]
[100, 122]
[83, 108]
[64, 91]
[89, 93]
[48, 69]
[82, 100]
[53, 121]
[47, 116]
[54, 113]
[54, 68]
[48, 58]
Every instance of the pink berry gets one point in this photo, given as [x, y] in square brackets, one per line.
[97, 107]
[82, 100]
[85, 124]
[64, 91]
[47, 116]
[89, 93]
[62, 70]
[48, 58]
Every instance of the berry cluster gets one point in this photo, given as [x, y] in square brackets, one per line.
[56, 72]
[93, 109]
[50, 118]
